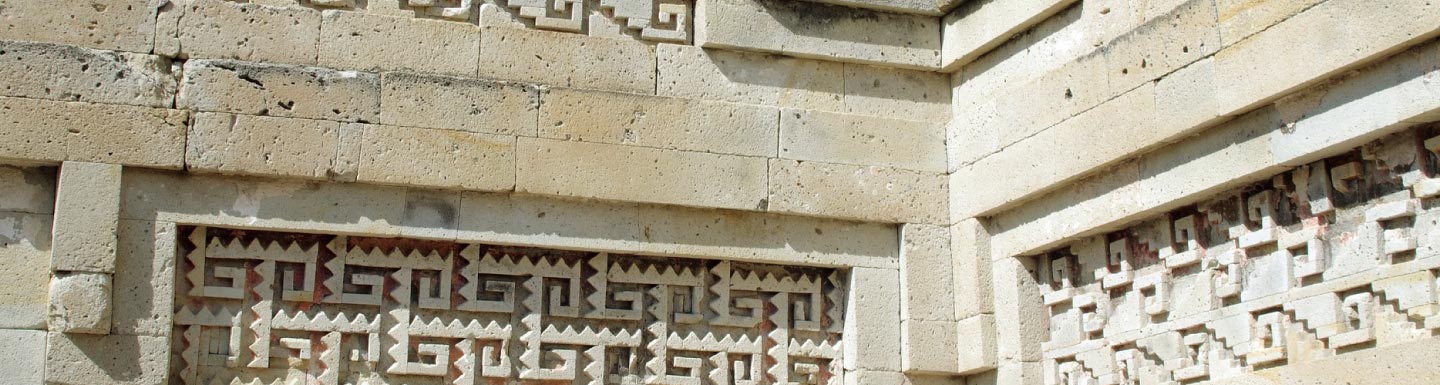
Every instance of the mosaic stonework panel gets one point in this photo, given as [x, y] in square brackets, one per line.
[666, 21]
[1338, 256]
[282, 308]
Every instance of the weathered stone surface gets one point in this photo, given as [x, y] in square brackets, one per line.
[922, 7]
[50, 131]
[25, 250]
[279, 90]
[262, 145]
[976, 344]
[978, 26]
[987, 127]
[819, 31]
[876, 345]
[1240, 19]
[1167, 43]
[926, 279]
[144, 278]
[1022, 321]
[695, 73]
[459, 104]
[659, 122]
[22, 356]
[74, 359]
[27, 189]
[639, 174]
[857, 192]
[217, 29]
[568, 60]
[80, 303]
[87, 214]
[970, 243]
[929, 346]
[69, 73]
[123, 25]
[862, 140]
[437, 158]
[897, 93]
[360, 41]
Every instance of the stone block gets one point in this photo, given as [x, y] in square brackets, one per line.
[857, 192]
[69, 73]
[279, 90]
[639, 174]
[109, 360]
[22, 356]
[1070, 90]
[970, 245]
[929, 346]
[349, 152]
[872, 327]
[51, 131]
[462, 104]
[144, 278]
[739, 77]
[87, 212]
[976, 344]
[1238, 19]
[122, 25]
[919, 7]
[1334, 36]
[926, 280]
[897, 93]
[1186, 97]
[367, 42]
[568, 60]
[27, 189]
[873, 377]
[80, 303]
[1161, 46]
[819, 31]
[659, 122]
[862, 140]
[262, 145]
[1019, 310]
[978, 26]
[25, 250]
[437, 158]
[1013, 372]
[217, 29]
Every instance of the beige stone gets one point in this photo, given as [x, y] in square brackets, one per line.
[819, 31]
[262, 145]
[217, 29]
[897, 93]
[857, 192]
[22, 356]
[122, 25]
[27, 189]
[111, 360]
[929, 346]
[978, 26]
[437, 158]
[459, 104]
[279, 90]
[1022, 322]
[923, 7]
[1161, 46]
[80, 303]
[639, 174]
[926, 278]
[872, 328]
[69, 73]
[970, 243]
[87, 213]
[862, 140]
[976, 337]
[659, 122]
[360, 41]
[144, 278]
[567, 60]
[25, 251]
[695, 73]
[1186, 97]
[873, 377]
[50, 131]
[1240, 19]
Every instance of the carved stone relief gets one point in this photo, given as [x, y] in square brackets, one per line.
[652, 20]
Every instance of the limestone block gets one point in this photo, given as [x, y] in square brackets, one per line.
[1078, 207]
[80, 303]
[1238, 19]
[568, 60]
[819, 31]
[218, 29]
[873, 377]
[925, 274]
[349, 152]
[695, 73]
[279, 90]
[51, 131]
[122, 25]
[144, 278]
[897, 93]
[262, 145]
[437, 158]
[929, 346]
[1186, 97]
[22, 356]
[366, 42]
[1070, 89]
[976, 344]
[1013, 372]
[659, 122]
[978, 26]
[861, 140]
[471, 105]
[87, 212]
[1334, 35]
[640, 174]
[25, 252]
[1019, 312]
[920, 7]
[669, 230]
[27, 189]
[857, 192]
[872, 327]
[1217, 158]
[111, 360]
[1162, 45]
[69, 73]
[970, 244]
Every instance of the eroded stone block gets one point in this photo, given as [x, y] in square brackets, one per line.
[80, 303]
